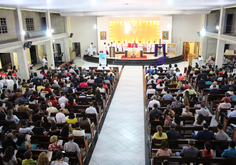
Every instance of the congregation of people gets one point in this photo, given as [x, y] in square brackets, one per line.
[174, 98]
[63, 104]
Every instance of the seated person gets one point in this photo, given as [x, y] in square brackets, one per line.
[221, 135]
[39, 129]
[83, 84]
[155, 111]
[82, 95]
[231, 151]
[150, 90]
[167, 96]
[53, 130]
[24, 142]
[214, 90]
[59, 159]
[24, 129]
[202, 81]
[186, 111]
[159, 135]
[200, 121]
[157, 121]
[207, 152]
[51, 109]
[71, 146]
[11, 117]
[71, 119]
[54, 146]
[205, 134]
[190, 151]
[60, 116]
[8, 142]
[177, 103]
[154, 101]
[164, 150]
[91, 109]
[203, 110]
[28, 159]
[172, 133]
[36, 115]
[78, 131]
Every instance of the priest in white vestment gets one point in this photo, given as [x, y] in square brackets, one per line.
[105, 48]
[153, 47]
[148, 47]
[119, 47]
[91, 50]
[108, 48]
[140, 45]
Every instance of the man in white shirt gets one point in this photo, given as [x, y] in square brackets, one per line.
[233, 113]
[107, 68]
[200, 60]
[148, 47]
[59, 159]
[203, 111]
[91, 50]
[108, 48]
[100, 67]
[60, 117]
[105, 48]
[91, 109]
[153, 47]
[62, 99]
[153, 101]
[140, 45]
[119, 47]
[52, 67]
[124, 46]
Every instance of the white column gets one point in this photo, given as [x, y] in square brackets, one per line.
[220, 44]
[21, 53]
[66, 49]
[203, 39]
[49, 48]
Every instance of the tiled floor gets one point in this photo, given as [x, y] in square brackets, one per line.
[121, 140]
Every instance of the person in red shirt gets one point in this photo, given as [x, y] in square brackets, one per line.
[181, 77]
[71, 101]
[83, 85]
[52, 100]
[104, 85]
[47, 87]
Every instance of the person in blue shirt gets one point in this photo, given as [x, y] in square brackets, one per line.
[214, 90]
[25, 97]
[202, 81]
[205, 134]
[98, 79]
[225, 86]
[233, 97]
[110, 77]
[149, 69]
[230, 152]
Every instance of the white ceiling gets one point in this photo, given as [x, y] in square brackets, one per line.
[119, 7]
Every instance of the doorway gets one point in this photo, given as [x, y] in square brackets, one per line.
[43, 23]
[33, 55]
[5, 61]
[76, 48]
[191, 48]
[229, 23]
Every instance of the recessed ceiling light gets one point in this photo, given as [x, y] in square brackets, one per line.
[170, 1]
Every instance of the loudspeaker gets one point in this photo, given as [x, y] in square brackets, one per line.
[199, 34]
[71, 35]
[27, 44]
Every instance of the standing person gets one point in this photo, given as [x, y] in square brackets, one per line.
[119, 47]
[153, 47]
[140, 45]
[124, 46]
[148, 47]
[108, 48]
[91, 50]
[55, 56]
[105, 48]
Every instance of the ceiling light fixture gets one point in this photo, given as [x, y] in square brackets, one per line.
[23, 33]
[49, 32]
[203, 31]
[217, 27]
[95, 26]
[170, 1]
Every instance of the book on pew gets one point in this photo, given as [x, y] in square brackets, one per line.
[28, 137]
[49, 154]
[59, 142]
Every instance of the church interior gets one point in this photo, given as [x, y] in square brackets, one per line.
[102, 82]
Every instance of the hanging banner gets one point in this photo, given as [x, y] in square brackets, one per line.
[102, 58]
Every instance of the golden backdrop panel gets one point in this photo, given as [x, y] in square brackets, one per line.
[143, 31]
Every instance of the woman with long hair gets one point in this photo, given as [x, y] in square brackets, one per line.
[161, 85]
[186, 99]
[168, 115]
[8, 157]
[65, 130]
[71, 101]
[23, 142]
[53, 130]
[164, 150]
[84, 120]
[98, 96]
[71, 119]
[11, 117]
[43, 159]
[207, 152]
[159, 134]
[46, 118]
[200, 121]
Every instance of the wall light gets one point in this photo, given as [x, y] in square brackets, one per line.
[217, 27]
[203, 32]
[95, 26]
[23, 33]
[49, 32]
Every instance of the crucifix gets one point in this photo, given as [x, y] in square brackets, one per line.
[159, 50]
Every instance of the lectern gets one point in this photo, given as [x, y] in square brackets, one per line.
[112, 51]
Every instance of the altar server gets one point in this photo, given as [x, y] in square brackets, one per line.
[108, 48]
[140, 45]
[200, 60]
[153, 47]
[148, 47]
[124, 46]
[105, 48]
[114, 43]
[91, 49]
[119, 47]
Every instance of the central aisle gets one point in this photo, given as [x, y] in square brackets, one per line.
[122, 136]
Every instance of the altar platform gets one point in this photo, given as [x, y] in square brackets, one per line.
[150, 60]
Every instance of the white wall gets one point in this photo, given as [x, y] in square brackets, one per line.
[184, 29]
[211, 47]
[36, 17]
[103, 25]
[83, 30]
[57, 23]
[11, 25]
[165, 25]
